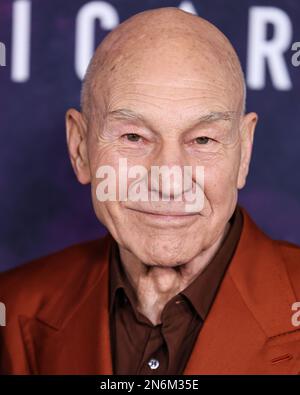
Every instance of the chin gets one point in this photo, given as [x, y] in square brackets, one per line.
[166, 253]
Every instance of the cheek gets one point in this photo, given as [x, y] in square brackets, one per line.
[102, 155]
[220, 181]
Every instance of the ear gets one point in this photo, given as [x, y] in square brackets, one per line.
[247, 129]
[76, 130]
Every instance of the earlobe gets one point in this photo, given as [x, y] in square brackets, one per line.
[76, 133]
[247, 136]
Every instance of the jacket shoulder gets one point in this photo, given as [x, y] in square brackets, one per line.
[290, 254]
[27, 287]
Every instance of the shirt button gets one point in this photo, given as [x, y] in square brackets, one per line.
[153, 363]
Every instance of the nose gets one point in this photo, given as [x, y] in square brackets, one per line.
[166, 180]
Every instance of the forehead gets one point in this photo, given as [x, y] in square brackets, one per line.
[174, 79]
[173, 105]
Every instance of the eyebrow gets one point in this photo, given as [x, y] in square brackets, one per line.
[127, 114]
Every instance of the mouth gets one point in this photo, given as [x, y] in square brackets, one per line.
[166, 216]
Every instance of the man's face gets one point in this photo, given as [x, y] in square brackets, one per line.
[159, 113]
[168, 103]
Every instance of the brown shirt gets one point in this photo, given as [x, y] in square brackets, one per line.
[138, 346]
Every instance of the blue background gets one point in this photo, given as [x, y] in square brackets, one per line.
[44, 209]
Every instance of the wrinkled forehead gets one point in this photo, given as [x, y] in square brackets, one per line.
[168, 76]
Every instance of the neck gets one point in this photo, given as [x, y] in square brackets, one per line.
[156, 285]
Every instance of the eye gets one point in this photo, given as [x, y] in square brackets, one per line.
[202, 140]
[133, 137]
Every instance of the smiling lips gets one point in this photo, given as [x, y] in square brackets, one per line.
[177, 218]
[165, 213]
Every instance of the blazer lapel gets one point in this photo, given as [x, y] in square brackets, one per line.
[249, 329]
[71, 335]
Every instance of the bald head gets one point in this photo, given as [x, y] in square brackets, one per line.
[164, 44]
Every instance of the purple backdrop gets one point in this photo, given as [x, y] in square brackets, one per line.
[43, 208]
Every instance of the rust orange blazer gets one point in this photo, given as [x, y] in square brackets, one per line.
[58, 323]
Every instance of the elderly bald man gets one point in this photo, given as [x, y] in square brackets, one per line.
[167, 291]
